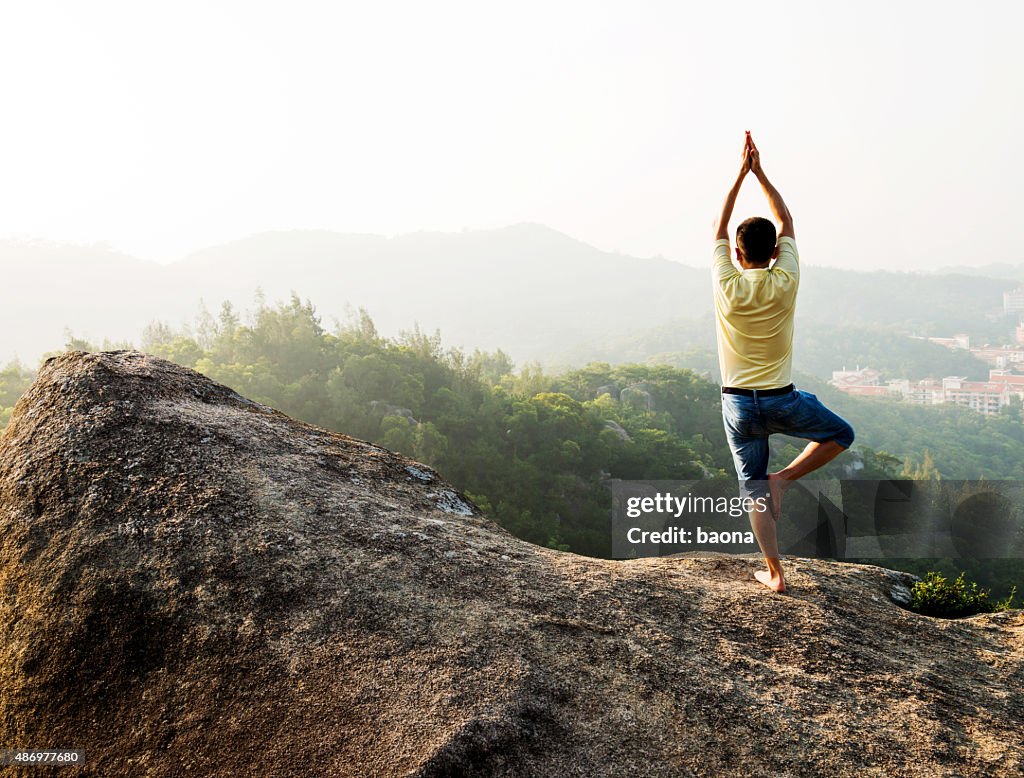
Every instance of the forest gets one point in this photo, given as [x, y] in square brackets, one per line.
[536, 450]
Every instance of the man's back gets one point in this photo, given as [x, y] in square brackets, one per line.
[754, 311]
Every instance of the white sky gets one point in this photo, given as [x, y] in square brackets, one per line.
[893, 129]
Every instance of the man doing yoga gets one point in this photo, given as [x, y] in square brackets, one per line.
[754, 306]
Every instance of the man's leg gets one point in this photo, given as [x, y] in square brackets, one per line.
[750, 456]
[765, 530]
[805, 416]
[813, 456]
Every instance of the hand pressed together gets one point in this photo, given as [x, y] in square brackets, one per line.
[751, 156]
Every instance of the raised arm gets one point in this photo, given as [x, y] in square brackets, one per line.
[778, 205]
[722, 224]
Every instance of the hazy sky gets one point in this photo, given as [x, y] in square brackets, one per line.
[893, 129]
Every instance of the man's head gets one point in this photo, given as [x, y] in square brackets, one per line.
[755, 243]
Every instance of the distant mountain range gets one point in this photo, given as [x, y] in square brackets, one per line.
[528, 289]
[1002, 270]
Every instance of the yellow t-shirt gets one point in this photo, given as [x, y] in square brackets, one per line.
[754, 317]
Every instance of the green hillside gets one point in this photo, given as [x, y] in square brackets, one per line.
[535, 449]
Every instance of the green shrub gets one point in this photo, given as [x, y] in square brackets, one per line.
[938, 596]
[1007, 604]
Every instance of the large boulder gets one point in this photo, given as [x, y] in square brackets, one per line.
[193, 583]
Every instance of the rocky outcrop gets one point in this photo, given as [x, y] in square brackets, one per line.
[193, 583]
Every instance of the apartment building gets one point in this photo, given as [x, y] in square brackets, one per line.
[982, 396]
[1013, 300]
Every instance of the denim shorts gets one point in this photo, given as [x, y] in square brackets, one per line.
[750, 420]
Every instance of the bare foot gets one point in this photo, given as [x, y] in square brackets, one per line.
[777, 486]
[774, 582]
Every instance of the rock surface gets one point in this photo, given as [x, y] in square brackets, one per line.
[192, 583]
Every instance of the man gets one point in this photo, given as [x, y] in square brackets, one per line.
[754, 308]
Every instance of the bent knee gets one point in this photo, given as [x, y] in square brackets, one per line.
[846, 437]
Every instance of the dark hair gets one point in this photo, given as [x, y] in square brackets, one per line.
[756, 239]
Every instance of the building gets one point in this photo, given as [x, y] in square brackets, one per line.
[863, 382]
[1000, 357]
[983, 396]
[957, 341]
[927, 392]
[1008, 377]
[859, 377]
[869, 391]
[1013, 300]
